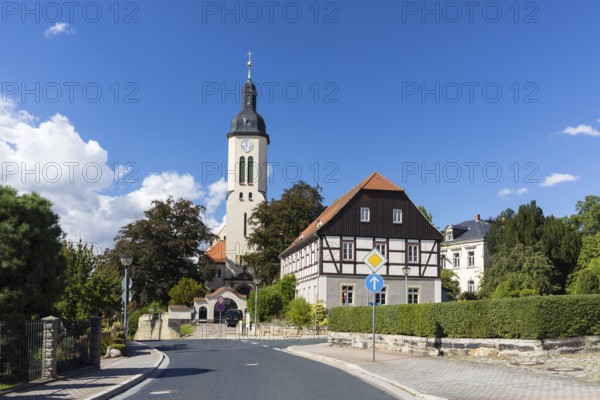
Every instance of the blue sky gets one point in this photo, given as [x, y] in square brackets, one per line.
[437, 96]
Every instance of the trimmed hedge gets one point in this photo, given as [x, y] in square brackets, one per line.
[538, 317]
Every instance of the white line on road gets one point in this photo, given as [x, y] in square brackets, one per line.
[251, 365]
[276, 348]
[254, 342]
[264, 345]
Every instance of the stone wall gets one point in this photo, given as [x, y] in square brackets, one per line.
[157, 327]
[469, 347]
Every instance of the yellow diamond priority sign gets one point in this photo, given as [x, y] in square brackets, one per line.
[375, 260]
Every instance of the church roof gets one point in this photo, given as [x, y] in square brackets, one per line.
[375, 181]
[248, 121]
[216, 252]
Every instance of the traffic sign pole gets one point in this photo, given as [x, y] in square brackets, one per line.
[373, 326]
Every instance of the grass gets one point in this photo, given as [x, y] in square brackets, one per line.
[187, 329]
[6, 386]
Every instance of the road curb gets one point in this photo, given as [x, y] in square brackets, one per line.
[349, 366]
[131, 382]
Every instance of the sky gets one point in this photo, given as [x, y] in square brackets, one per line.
[471, 107]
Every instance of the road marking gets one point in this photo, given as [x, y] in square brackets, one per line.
[244, 340]
[251, 365]
[276, 348]
[264, 345]
[254, 342]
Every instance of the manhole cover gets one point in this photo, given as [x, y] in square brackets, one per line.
[528, 363]
[166, 391]
[565, 369]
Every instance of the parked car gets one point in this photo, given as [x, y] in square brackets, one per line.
[233, 317]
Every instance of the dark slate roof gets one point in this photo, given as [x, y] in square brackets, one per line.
[468, 230]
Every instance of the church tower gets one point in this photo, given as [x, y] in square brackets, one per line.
[246, 173]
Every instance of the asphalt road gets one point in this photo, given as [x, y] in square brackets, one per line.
[236, 369]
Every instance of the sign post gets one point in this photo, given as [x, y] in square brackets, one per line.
[374, 283]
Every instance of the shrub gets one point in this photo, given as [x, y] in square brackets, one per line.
[187, 329]
[298, 313]
[121, 347]
[587, 282]
[535, 317]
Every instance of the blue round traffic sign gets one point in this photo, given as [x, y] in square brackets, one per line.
[220, 307]
[374, 283]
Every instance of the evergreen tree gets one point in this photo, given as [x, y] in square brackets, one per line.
[31, 264]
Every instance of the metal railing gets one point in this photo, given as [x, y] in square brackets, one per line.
[73, 346]
[21, 352]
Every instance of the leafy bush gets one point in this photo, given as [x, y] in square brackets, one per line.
[133, 318]
[298, 313]
[535, 317]
[187, 329]
[270, 303]
[319, 310]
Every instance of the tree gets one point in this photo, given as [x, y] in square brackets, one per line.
[31, 264]
[588, 215]
[590, 249]
[165, 245]
[90, 288]
[278, 223]
[561, 243]
[587, 282]
[426, 213]
[450, 284]
[287, 287]
[521, 267]
[185, 290]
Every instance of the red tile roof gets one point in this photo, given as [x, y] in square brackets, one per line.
[375, 181]
[217, 252]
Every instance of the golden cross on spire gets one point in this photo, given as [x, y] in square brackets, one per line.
[249, 63]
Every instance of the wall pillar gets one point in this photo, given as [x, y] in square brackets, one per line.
[49, 346]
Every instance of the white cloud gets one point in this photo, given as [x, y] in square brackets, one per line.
[557, 178]
[52, 159]
[59, 28]
[585, 130]
[505, 193]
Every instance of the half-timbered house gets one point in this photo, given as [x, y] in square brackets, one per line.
[327, 258]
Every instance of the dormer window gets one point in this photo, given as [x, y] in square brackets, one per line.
[365, 214]
[448, 235]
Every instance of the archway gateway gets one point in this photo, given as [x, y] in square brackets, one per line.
[231, 300]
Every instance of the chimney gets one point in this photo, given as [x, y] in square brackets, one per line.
[477, 216]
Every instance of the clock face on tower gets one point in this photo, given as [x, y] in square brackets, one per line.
[246, 145]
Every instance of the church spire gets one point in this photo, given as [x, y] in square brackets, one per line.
[249, 65]
[248, 121]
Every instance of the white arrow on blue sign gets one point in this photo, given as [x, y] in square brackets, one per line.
[374, 283]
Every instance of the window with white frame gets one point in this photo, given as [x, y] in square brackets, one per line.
[413, 295]
[471, 286]
[381, 297]
[456, 260]
[347, 251]
[397, 216]
[381, 247]
[471, 258]
[449, 235]
[347, 295]
[413, 253]
[365, 214]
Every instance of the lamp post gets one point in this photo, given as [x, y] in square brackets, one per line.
[406, 271]
[126, 260]
[256, 280]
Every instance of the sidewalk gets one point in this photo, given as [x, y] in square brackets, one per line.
[115, 376]
[448, 378]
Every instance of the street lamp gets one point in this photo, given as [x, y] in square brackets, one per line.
[406, 271]
[126, 261]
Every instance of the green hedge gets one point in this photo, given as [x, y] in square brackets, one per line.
[538, 317]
